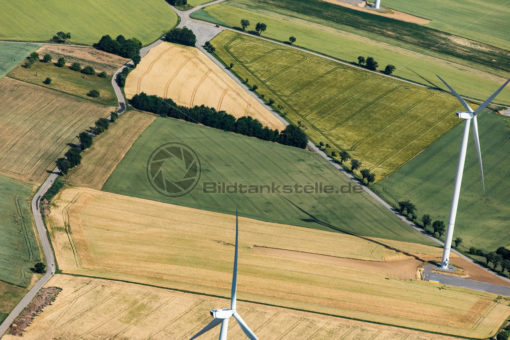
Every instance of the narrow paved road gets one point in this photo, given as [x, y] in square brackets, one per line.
[41, 229]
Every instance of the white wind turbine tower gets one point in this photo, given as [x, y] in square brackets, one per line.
[469, 116]
[223, 315]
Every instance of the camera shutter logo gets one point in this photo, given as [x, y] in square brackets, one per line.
[173, 169]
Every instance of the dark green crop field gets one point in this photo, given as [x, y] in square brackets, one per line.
[427, 180]
[230, 159]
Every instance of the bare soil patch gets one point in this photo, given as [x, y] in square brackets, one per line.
[390, 14]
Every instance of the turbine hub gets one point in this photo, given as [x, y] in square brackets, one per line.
[464, 115]
[222, 313]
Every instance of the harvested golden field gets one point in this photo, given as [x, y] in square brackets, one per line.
[35, 126]
[108, 149]
[188, 77]
[85, 55]
[118, 237]
[99, 309]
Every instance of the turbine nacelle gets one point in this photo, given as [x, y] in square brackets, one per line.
[465, 115]
[222, 313]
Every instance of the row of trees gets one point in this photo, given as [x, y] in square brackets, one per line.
[127, 48]
[183, 36]
[367, 176]
[73, 156]
[208, 116]
[371, 64]
[61, 37]
[259, 27]
[499, 260]
[177, 2]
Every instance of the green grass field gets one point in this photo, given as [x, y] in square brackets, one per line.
[469, 79]
[230, 158]
[86, 20]
[427, 180]
[485, 21]
[13, 53]
[393, 32]
[66, 80]
[18, 246]
[380, 121]
[198, 2]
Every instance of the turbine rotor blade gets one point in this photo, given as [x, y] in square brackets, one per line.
[488, 101]
[478, 150]
[249, 333]
[224, 329]
[461, 100]
[233, 295]
[211, 325]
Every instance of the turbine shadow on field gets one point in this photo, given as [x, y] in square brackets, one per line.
[314, 219]
[432, 85]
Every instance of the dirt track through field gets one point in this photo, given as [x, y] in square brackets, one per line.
[188, 77]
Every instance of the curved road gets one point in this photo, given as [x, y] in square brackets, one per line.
[204, 32]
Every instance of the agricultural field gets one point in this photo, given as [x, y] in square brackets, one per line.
[487, 21]
[35, 126]
[137, 312]
[108, 149]
[11, 295]
[380, 121]
[427, 180]
[419, 38]
[198, 2]
[66, 80]
[421, 66]
[145, 20]
[124, 238]
[13, 53]
[19, 250]
[230, 159]
[85, 55]
[188, 77]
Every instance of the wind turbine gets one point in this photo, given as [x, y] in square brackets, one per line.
[469, 116]
[223, 315]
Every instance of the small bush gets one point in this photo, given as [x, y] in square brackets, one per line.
[93, 93]
[102, 74]
[61, 62]
[47, 58]
[75, 67]
[47, 81]
[88, 70]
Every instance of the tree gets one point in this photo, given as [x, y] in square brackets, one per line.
[74, 157]
[63, 165]
[371, 64]
[426, 220]
[364, 174]
[85, 140]
[182, 36]
[93, 93]
[294, 136]
[344, 155]
[61, 62]
[371, 178]
[389, 69]
[47, 58]
[439, 227]
[261, 27]
[254, 88]
[490, 257]
[458, 241]
[47, 81]
[75, 67]
[102, 74]
[355, 164]
[407, 208]
[88, 70]
[102, 123]
[114, 116]
[333, 153]
[209, 47]
[292, 39]
[61, 37]
[127, 48]
[361, 60]
[270, 101]
[245, 23]
[136, 59]
[39, 268]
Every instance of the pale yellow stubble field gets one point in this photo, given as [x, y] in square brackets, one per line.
[88, 308]
[119, 237]
[188, 77]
